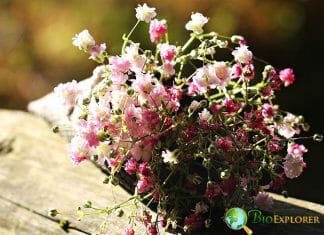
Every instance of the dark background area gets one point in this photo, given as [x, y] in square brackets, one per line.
[36, 51]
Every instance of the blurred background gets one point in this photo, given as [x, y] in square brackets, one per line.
[36, 50]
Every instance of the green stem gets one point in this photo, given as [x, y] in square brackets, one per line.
[188, 43]
[127, 37]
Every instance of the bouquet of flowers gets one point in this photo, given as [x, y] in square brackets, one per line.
[196, 133]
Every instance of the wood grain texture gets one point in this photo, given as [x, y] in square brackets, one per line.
[37, 174]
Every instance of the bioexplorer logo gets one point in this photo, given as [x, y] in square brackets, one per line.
[256, 217]
[236, 218]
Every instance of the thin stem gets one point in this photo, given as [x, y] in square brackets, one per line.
[127, 37]
[188, 43]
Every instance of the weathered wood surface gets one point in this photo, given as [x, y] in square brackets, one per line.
[36, 174]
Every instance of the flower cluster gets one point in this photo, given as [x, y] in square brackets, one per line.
[197, 134]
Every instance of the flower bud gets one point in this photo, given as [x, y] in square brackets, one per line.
[119, 212]
[224, 175]
[52, 212]
[88, 204]
[318, 137]
[208, 223]
[106, 180]
[55, 129]
[86, 101]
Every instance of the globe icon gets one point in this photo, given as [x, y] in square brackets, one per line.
[236, 218]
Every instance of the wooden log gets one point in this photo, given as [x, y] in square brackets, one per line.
[36, 174]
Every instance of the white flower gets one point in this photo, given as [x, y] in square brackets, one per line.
[286, 128]
[196, 23]
[67, 93]
[242, 54]
[137, 60]
[145, 13]
[169, 156]
[83, 40]
[204, 116]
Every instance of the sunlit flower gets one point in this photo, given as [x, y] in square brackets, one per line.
[157, 29]
[83, 40]
[196, 23]
[97, 51]
[67, 93]
[242, 54]
[145, 13]
[169, 157]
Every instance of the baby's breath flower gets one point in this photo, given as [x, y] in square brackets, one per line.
[145, 13]
[197, 23]
[169, 157]
[83, 40]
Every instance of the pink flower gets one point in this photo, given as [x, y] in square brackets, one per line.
[204, 116]
[96, 51]
[263, 201]
[78, 149]
[88, 131]
[267, 111]
[224, 144]
[143, 149]
[143, 83]
[296, 150]
[274, 145]
[67, 93]
[167, 69]
[237, 70]
[129, 231]
[192, 89]
[167, 51]
[218, 74]
[287, 76]
[201, 81]
[151, 229]
[157, 29]
[144, 184]
[137, 61]
[231, 106]
[242, 54]
[131, 166]
[144, 169]
[119, 64]
[287, 127]
[293, 166]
